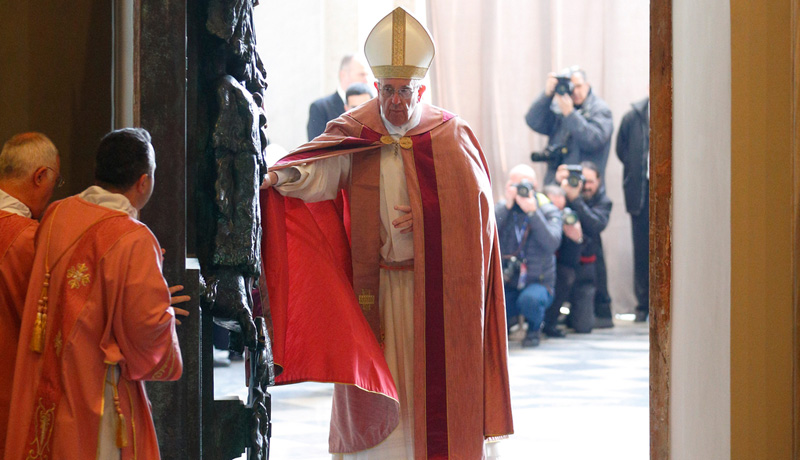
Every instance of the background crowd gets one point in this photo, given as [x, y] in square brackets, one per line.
[550, 235]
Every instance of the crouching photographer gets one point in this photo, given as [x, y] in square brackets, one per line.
[567, 259]
[529, 226]
[577, 280]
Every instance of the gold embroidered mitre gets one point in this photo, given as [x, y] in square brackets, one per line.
[399, 47]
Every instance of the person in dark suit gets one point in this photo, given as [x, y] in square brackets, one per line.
[351, 70]
[633, 149]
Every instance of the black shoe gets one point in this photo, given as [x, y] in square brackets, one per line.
[603, 323]
[554, 333]
[531, 340]
[641, 316]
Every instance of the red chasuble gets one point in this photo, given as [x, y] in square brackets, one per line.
[16, 258]
[97, 299]
[460, 351]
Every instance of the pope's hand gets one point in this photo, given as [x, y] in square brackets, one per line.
[269, 179]
[405, 222]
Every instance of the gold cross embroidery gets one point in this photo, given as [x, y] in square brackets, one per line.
[77, 276]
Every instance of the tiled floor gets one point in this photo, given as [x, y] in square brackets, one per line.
[583, 397]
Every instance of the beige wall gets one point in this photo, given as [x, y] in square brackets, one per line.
[761, 222]
[55, 77]
[732, 280]
[701, 236]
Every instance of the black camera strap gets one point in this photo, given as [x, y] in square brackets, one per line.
[522, 236]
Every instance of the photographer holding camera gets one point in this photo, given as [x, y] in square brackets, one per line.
[577, 122]
[567, 259]
[586, 197]
[529, 227]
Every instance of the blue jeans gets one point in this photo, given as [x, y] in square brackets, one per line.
[531, 301]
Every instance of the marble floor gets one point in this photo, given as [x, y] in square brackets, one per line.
[582, 397]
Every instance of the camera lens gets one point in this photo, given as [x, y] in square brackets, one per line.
[573, 181]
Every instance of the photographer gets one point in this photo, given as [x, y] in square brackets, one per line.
[529, 227]
[585, 196]
[577, 122]
[567, 259]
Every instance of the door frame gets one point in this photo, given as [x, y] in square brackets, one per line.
[661, 81]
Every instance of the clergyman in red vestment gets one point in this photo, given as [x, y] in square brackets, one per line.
[29, 171]
[404, 188]
[97, 320]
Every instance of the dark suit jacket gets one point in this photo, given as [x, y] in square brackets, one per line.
[633, 146]
[321, 112]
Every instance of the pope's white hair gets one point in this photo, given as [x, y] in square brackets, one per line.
[26, 152]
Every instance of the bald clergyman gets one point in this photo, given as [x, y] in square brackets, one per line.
[29, 171]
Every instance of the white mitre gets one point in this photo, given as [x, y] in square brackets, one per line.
[399, 47]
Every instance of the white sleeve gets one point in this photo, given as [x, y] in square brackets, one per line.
[318, 181]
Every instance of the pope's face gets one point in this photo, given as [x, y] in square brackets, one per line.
[398, 97]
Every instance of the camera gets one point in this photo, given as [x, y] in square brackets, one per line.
[564, 85]
[575, 175]
[551, 153]
[524, 188]
[511, 269]
[569, 216]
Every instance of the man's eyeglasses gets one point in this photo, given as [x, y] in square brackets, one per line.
[59, 179]
[405, 92]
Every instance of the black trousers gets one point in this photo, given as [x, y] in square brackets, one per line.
[602, 300]
[565, 279]
[640, 226]
[576, 285]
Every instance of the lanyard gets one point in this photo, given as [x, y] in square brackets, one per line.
[521, 232]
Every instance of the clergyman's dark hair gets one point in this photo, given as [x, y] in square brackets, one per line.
[357, 89]
[122, 157]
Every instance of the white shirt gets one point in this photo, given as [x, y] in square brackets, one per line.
[102, 197]
[323, 179]
[10, 204]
